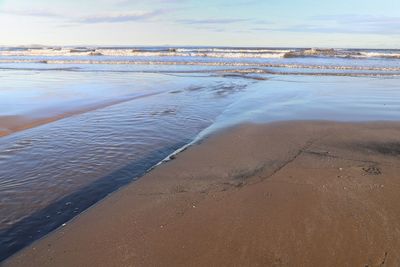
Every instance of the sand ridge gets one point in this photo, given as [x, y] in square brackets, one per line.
[14, 123]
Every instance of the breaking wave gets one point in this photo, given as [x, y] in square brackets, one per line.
[200, 52]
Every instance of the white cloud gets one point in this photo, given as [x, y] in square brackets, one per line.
[110, 17]
[119, 17]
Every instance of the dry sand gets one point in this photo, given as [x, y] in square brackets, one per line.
[282, 194]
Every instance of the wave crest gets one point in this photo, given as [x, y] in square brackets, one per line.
[252, 53]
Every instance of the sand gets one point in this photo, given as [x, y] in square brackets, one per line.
[14, 123]
[280, 194]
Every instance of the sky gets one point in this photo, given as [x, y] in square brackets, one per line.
[266, 23]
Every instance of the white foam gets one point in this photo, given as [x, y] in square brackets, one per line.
[197, 52]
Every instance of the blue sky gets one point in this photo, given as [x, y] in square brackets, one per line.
[306, 23]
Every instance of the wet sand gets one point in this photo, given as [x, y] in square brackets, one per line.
[15, 123]
[12, 124]
[280, 194]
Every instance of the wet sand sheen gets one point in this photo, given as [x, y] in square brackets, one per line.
[12, 124]
[289, 193]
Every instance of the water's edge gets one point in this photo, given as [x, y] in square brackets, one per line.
[31, 228]
[34, 227]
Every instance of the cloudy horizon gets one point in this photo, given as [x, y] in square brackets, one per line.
[351, 23]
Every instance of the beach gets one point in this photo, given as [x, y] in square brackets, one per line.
[199, 133]
[276, 143]
[296, 193]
